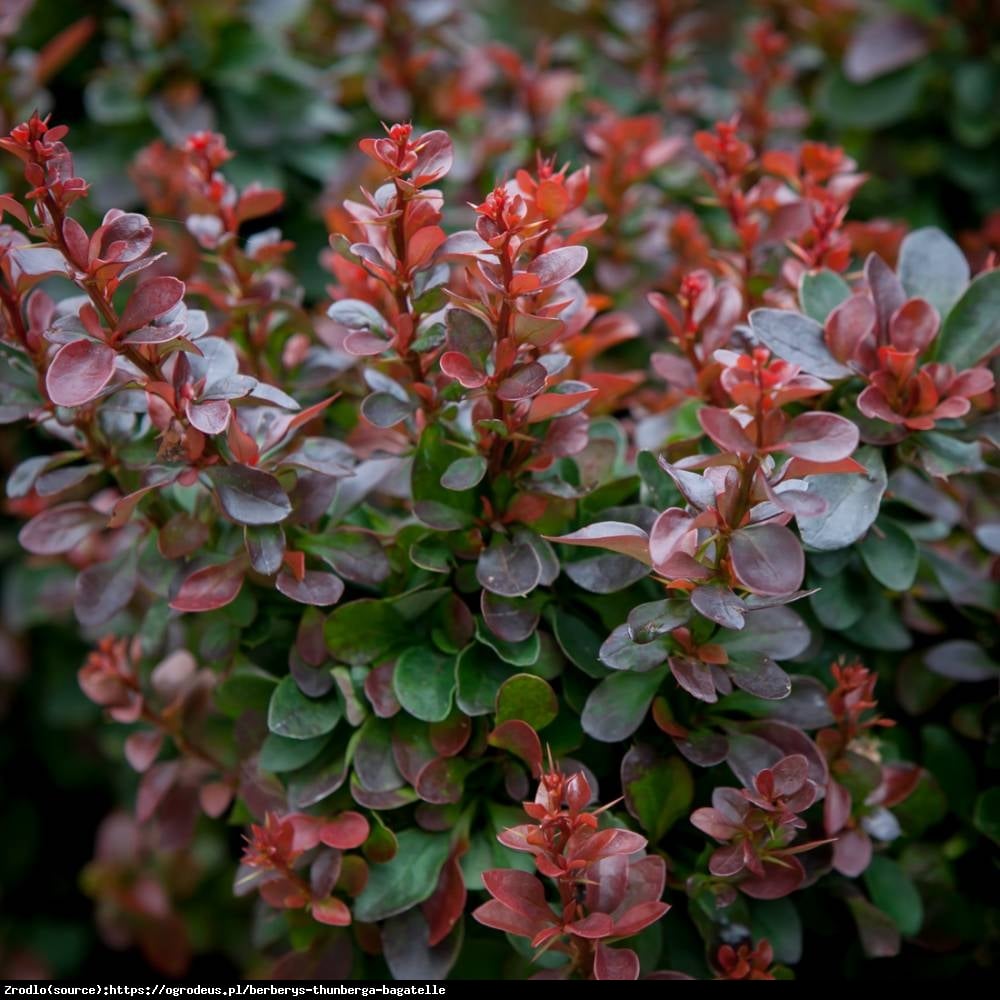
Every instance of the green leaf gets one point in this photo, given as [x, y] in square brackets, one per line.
[363, 631]
[972, 330]
[880, 102]
[778, 920]
[580, 642]
[852, 503]
[944, 455]
[658, 790]
[518, 654]
[616, 707]
[986, 816]
[424, 681]
[932, 267]
[405, 881]
[280, 753]
[947, 760]
[820, 292]
[292, 714]
[839, 603]
[434, 504]
[246, 688]
[480, 674]
[662, 489]
[894, 893]
[890, 554]
[528, 698]
[464, 473]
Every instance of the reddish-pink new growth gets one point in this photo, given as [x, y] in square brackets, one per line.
[604, 892]
[757, 828]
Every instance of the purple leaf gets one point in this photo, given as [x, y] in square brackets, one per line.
[151, 299]
[797, 339]
[210, 588]
[60, 529]
[882, 45]
[508, 569]
[250, 496]
[460, 368]
[819, 437]
[720, 605]
[617, 536]
[725, 430]
[210, 418]
[557, 265]
[525, 382]
[767, 559]
[321, 589]
[79, 371]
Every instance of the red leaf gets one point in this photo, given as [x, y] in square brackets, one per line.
[464, 243]
[60, 529]
[520, 892]
[79, 371]
[616, 536]
[142, 748]
[525, 382]
[725, 430]
[151, 299]
[320, 589]
[459, 367]
[639, 917]
[518, 738]
[444, 908]
[778, 880]
[257, 201]
[852, 853]
[210, 588]
[767, 559]
[819, 437]
[615, 963]
[553, 403]
[672, 535]
[557, 265]
[331, 911]
[347, 831]
[494, 914]
[211, 417]
[592, 926]
[434, 158]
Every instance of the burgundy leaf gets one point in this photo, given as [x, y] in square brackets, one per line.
[60, 529]
[767, 559]
[320, 589]
[79, 371]
[518, 738]
[819, 437]
[725, 430]
[345, 832]
[615, 963]
[460, 368]
[210, 588]
[508, 569]
[778, 880]
[151, 299]
[557, 265]
[524, 383]
[720, 605]
[694, 677]
[210, 418]
[249, 495]
[617, 536]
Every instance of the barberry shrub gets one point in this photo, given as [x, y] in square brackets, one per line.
[375, 579]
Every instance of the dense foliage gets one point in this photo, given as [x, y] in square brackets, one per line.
[609, 452]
